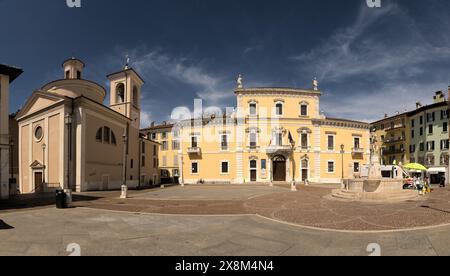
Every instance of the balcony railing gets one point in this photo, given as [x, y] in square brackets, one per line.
[357, 150]
[394, 140]
[194, 150]
[278, 149]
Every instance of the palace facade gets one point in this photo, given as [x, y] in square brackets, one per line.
[69, 139]
[274, 135]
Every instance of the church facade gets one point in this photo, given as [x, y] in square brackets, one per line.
[69, 139]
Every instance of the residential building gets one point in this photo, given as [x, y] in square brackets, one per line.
[392, 138]
[69, 139]
[429, 135]
[170, 146]
[7, 75]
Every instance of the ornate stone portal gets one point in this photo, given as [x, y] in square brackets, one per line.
[374, 188]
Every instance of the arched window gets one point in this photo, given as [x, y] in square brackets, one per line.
[106, 135]
[120, 92]
[135, 96]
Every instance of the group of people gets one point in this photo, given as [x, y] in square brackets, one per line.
[424, 185]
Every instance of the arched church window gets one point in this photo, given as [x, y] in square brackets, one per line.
[135, 96]
[120, 91]
[106, 135]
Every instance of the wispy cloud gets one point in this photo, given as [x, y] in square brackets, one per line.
[383, 62]
[211, 88]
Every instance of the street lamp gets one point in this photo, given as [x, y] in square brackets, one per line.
[44, 147]
[124, 188]
[342, 160]
[11, 160]
[68, 123]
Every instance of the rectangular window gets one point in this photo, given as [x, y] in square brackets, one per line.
[131, 163]
[194, 168]
[175, 145]
[304, 141]
[356, 167]
[445, 144]
[153, 136]
[421, 131]
[304, 110]
[164, 135]
[165, 145]
[279, 109]
[263, 164]
[430, 129]
[155, 150]
[253, 110]
[143, 161]
[194, 142]
[357, 143]
[412, 133]
[224, 142]
[413, 122]
[143, 147]
[279, 139]
[421, 120]
[430, 146]
[422, 147]
[445, 127]
[253, 140]
[330, 166]
[330, 142]
[224, 167]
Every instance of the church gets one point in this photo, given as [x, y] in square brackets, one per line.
[69, 139]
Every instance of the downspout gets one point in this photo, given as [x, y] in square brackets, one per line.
[139, 162]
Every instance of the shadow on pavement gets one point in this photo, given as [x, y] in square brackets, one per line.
[21, 202]
[5, 226]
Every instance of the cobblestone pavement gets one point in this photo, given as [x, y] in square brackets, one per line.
[307, 207]
[44, 232]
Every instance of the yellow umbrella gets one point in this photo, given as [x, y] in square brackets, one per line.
[415, 166]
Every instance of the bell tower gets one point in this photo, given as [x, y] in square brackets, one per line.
[125, 94]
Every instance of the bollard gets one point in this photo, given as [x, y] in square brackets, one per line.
[69, 199]
[124, 194]
[293, 187]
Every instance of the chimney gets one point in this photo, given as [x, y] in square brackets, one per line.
[418, 105]
[152, 124]
[386, 115]
[439, 97]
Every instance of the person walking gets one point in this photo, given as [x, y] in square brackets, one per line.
[443, 182]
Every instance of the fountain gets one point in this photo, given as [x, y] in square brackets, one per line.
[374, 188]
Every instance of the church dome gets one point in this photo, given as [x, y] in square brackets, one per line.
[73, 86]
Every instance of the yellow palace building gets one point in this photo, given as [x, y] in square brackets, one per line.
[274, 135]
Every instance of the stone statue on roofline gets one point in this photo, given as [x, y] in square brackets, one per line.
[240, 81]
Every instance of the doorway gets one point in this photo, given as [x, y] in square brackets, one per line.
[38, 183]
[253, 171]
[279, 169]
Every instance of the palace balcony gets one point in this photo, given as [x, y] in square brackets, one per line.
[357, 150]
[274, 149]
[194, 150]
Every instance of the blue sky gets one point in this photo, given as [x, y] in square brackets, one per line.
[368, 61]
